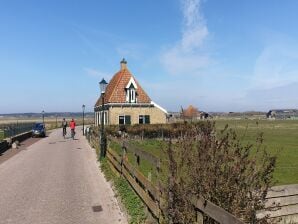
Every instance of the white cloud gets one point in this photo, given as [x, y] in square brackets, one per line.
[195, 30]
[274, 83]
[186, 56]
[276, 66]
[281, 97]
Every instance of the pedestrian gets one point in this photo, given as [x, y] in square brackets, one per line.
[72, 126]
[64, 125]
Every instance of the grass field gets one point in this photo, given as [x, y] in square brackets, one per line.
[279, 136]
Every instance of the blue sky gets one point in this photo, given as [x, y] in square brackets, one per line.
[222, 55]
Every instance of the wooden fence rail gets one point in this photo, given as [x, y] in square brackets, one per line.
[283, 204]
[144, 188]
[215, 212]
[147, 191]
[282, 201]
[150, 194]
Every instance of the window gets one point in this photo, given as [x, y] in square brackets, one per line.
[144, 119]
[124, 119]
[105, 117]
[131, 94]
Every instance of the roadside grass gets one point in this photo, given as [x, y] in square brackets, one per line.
[280, 137]
[146, 168]
[130, 200]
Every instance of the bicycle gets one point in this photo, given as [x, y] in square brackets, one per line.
[64, 132]
[73, 133]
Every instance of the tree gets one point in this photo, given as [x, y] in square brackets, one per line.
[191, 112]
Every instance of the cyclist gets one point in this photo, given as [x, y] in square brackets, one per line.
[64, 125]
[72, 126]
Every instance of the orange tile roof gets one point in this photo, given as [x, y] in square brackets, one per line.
[115, 91]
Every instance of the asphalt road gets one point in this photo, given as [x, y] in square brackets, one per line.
[56, 181]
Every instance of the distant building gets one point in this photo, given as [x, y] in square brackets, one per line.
[126, 102]
[191, 113]
[282, 114]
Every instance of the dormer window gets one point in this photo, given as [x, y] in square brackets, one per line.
[131, 94]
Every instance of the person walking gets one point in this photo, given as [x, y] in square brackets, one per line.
[72, 126]
[64, 126]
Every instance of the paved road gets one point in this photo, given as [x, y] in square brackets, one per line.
[56, 181]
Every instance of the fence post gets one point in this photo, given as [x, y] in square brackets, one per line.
[149, 176]
[200, 218]
[123, 157]
[159, 186]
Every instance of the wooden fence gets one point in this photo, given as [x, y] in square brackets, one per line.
[281, 205]
[282, 202]
[150, 193]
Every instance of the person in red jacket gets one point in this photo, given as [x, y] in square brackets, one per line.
[72, 126]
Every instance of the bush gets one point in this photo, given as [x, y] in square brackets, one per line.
[152, 131]
[218, 168]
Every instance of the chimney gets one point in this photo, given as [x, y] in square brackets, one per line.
[123, 64]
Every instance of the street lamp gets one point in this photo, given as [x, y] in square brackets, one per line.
[103, 85]
[43, 117]
[83, 107]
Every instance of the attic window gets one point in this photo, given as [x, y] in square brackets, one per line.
[131, 95]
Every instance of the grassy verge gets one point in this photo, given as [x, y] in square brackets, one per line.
[132, 203]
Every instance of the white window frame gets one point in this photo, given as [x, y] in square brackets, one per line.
[131, 91]
[124, 123]
[144, 118]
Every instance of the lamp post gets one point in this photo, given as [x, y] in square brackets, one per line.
[43, 117]
[103, 84]
[83, 107]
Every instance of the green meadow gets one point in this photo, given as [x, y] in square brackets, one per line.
[280, 137]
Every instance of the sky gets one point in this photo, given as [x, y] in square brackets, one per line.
[218, 55]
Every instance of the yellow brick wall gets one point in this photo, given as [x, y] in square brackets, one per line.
[156, 115]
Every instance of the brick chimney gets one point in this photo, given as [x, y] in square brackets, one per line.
[123, 64]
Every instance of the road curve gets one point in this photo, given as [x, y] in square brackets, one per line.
[56, 181]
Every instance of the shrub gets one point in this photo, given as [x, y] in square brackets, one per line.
[218, 168]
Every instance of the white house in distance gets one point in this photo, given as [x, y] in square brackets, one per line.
[126, 102]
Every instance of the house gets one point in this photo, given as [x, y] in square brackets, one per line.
[282, 114]
[192, 113]
[126, 102]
